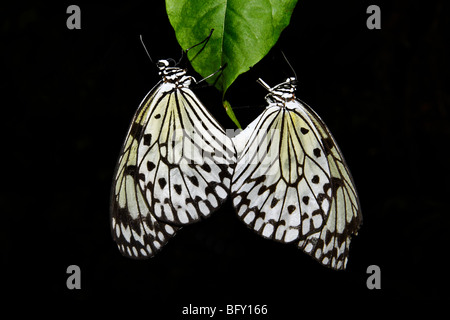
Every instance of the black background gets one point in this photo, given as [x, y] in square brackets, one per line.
[69, 96]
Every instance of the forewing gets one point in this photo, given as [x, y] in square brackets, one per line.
[135, 229]
[281, 186]
[185, 165]
[175, 167]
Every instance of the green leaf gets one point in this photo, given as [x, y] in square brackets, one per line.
[230, 113]
[244, 32]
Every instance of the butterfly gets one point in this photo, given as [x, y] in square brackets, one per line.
[175, 166]
[291, 182]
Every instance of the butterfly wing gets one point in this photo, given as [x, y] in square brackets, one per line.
[291, 183]
[175, 167]
[330, 246]
[281, 186]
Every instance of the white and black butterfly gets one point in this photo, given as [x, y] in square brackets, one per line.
[175, 167]
[291, 182]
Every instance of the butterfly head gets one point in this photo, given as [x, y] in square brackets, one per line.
[292, 81]
[281, 93]
[174, 74]
[162, 64]
[285, 89]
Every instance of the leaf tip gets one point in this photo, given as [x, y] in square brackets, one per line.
[230, 113]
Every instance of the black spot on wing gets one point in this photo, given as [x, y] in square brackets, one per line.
[162, 182]
[136, 130]
[274, 202]
[206, 167]
[150, 165]
[317, 152]
[259, 179]
[177, 188]
[130, 170]
[147, 139]
[328, 144]
[262, 190]
[315, 179]
[194, 180]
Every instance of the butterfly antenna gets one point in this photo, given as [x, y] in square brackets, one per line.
[204, 42]
[145, 48]
[173, 61]
[289, 64]
[214, 73]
